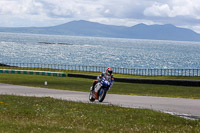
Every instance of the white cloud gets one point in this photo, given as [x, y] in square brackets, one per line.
[158, 10]
[72, 8]
[195, 28]
[186, 8]
[174, 8]
[18, 7]
[117, 12]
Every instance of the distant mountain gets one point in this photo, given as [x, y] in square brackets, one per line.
[86, 28]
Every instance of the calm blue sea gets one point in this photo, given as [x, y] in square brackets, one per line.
[96, 51]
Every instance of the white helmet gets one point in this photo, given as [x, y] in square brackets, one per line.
[109, 71]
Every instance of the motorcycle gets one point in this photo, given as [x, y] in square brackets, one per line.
[100, 90]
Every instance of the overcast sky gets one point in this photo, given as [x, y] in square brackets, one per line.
[39, 13]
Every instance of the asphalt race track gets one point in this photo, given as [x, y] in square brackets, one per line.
[188, 108]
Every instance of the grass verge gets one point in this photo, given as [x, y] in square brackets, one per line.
[30, 114]
[98, 73]
[81, 84]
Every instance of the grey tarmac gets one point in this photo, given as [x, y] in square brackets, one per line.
[188, 108]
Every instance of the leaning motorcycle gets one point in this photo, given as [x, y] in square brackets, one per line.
[99, 91]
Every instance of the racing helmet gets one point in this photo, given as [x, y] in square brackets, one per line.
[109, 71]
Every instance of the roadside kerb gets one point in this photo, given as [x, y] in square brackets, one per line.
[45, 73]
[145, 81]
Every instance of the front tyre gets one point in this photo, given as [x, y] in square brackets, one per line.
[102, 95]
[91, 96]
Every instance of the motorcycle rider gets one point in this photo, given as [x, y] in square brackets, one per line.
[107, 75]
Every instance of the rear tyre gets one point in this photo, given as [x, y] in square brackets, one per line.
[102, 95]
[91, 96]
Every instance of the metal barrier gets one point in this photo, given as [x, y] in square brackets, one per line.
[131, 71]
[45, 73]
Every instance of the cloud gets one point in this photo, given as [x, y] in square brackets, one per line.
[184, 13]
[20, 7]
[158, 10]
[72, 8]
[174, 8]
[20, 13]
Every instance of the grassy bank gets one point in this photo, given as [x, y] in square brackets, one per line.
[98, 73]
[81, 84]
[29, 114]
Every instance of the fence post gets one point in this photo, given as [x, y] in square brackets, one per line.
[161, 71]
[189, 71]
[193, 72]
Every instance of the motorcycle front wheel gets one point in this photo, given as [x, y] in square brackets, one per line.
[102, 95]
[91, 96]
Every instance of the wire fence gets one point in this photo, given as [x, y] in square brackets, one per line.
[131, 71]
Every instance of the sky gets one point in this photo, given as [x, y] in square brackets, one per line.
[43, 13]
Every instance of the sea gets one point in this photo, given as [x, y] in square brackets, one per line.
[98, 51]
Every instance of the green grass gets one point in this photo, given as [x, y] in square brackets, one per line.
[98, 73]
[81, 84]
[30, 114]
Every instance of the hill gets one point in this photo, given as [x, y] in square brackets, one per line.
[86, 28]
